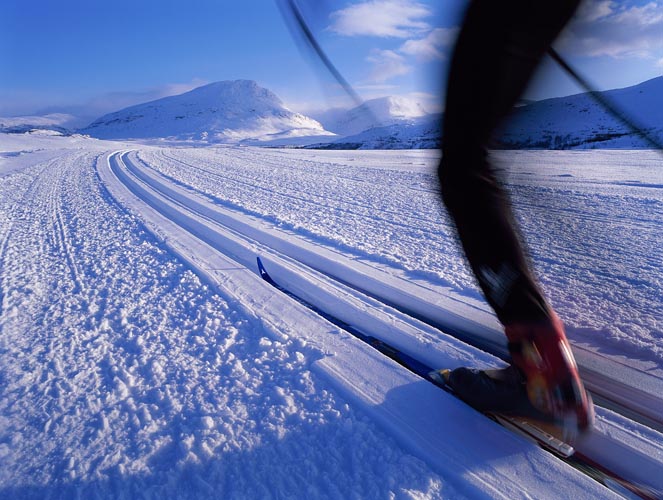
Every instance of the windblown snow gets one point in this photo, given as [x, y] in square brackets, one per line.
[381, 112]
[142, 357]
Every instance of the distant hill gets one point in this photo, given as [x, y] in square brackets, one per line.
[423, 133]
[241, 111]
[573, 122]
[228, 111]
[579, 122]
[58, 123]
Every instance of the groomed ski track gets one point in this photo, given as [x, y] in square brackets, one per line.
[221, 245]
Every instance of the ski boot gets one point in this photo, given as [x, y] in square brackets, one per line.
[542, 383]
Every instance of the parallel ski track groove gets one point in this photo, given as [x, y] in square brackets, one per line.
[598, 386]
[585, 464]
[320, 203]
[597, 382]
[64, 240]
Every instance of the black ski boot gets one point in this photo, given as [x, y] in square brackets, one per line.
[498, 390]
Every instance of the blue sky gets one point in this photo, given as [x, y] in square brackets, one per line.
[91, 56]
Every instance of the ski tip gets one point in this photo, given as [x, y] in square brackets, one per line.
[261, 269]
[263, 273]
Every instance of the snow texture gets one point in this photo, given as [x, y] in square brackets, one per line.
[579, 122]
[138, 360]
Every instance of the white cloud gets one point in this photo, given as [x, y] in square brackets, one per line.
[595, 9]
[382, 18]
[432, 103]
[431, 46]
[387, 64]
[612, 29]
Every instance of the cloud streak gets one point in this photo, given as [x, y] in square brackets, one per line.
[606, 28]
[381, 18]
[399, 19]
[387, 64]
[430, 47]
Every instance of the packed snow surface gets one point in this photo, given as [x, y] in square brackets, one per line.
[139, 360]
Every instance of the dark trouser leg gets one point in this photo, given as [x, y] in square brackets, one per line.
[498, 50]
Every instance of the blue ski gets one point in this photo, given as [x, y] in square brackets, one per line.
[517, 425]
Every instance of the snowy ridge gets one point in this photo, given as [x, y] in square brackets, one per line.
[423, 133]
[579, 122]
[58, 123]
[573, 122]
[228, 111]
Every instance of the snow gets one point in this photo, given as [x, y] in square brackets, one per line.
[242, 112]
[422, 133]
[141, 355]
[579, 122]
[227, 111]
[572, 122]
[380, 112]
[55, 121]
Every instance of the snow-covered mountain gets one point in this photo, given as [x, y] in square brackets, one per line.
[59, 123]
[573, 122]
[423, 133]
[579, 122]
[227, 111]
[381, 112]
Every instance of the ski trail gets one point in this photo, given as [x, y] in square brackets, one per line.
[18, 191]
[316, 291]
[589, 260]
[317, 202]
[635, 390]
[124, 375]
[174, 205]
[349, 207]
[243, 238]
[138, 362]
[64, 243]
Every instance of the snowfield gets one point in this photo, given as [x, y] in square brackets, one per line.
[141, 355]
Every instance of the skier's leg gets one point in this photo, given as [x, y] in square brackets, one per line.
[499, 48]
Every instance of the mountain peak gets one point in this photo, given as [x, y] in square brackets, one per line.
[225, 111]
[237, 88]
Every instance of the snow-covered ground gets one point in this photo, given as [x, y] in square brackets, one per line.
[142, 357]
